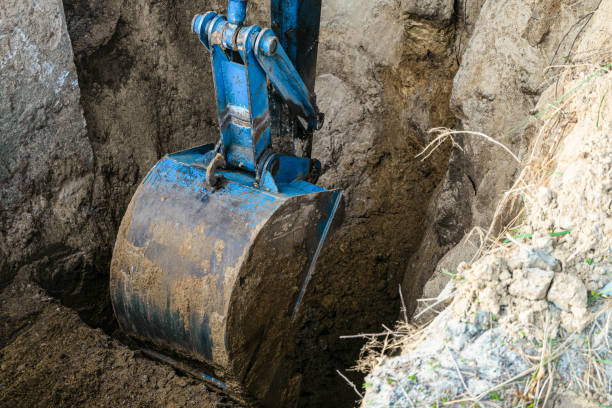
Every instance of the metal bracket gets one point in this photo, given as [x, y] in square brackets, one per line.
[212, 178]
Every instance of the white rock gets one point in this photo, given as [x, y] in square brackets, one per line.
[526, 317]
[568, 293]
[461, 305]
[488, 269]
[566, 221]
[534, 258]
[505, 276]
[574, 322]
[489, 300]
[541, 240]
[543, 260]
[540, 306]
[532, 284]
[482, 271]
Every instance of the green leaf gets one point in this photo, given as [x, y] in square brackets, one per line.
[495, 396]
[551, 234]
[599, 110]
[455, 276]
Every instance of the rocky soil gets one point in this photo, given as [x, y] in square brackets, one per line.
[504, 49]
[50, 231]
[529, 321]
[46, 160]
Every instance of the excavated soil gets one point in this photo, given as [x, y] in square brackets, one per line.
[50, 358]
[145, 89]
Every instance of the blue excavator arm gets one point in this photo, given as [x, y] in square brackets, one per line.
[244, 59]
[296, 24]
[285, 78]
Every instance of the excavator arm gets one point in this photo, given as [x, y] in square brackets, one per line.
[285, 78]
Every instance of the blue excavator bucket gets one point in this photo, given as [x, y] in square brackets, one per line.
[217, 275]
[218, 245]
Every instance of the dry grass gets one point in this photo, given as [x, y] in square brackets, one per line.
[538, 381]
[379, 345]
[553, 122]
[443, 134]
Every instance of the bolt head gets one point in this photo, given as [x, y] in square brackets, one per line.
[273, 46]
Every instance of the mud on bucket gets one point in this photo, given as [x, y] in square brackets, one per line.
[218, 276]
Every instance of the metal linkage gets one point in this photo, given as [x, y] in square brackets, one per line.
[244, 59]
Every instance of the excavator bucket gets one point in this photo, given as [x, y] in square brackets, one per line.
[218, 245]
[217, 275]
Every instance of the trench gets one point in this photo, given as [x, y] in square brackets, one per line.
[146, 91]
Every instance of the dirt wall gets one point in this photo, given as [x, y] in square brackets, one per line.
[385, 76]
[507, 52]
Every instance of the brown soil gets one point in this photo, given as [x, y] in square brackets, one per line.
[50, 358]
[144, 82]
